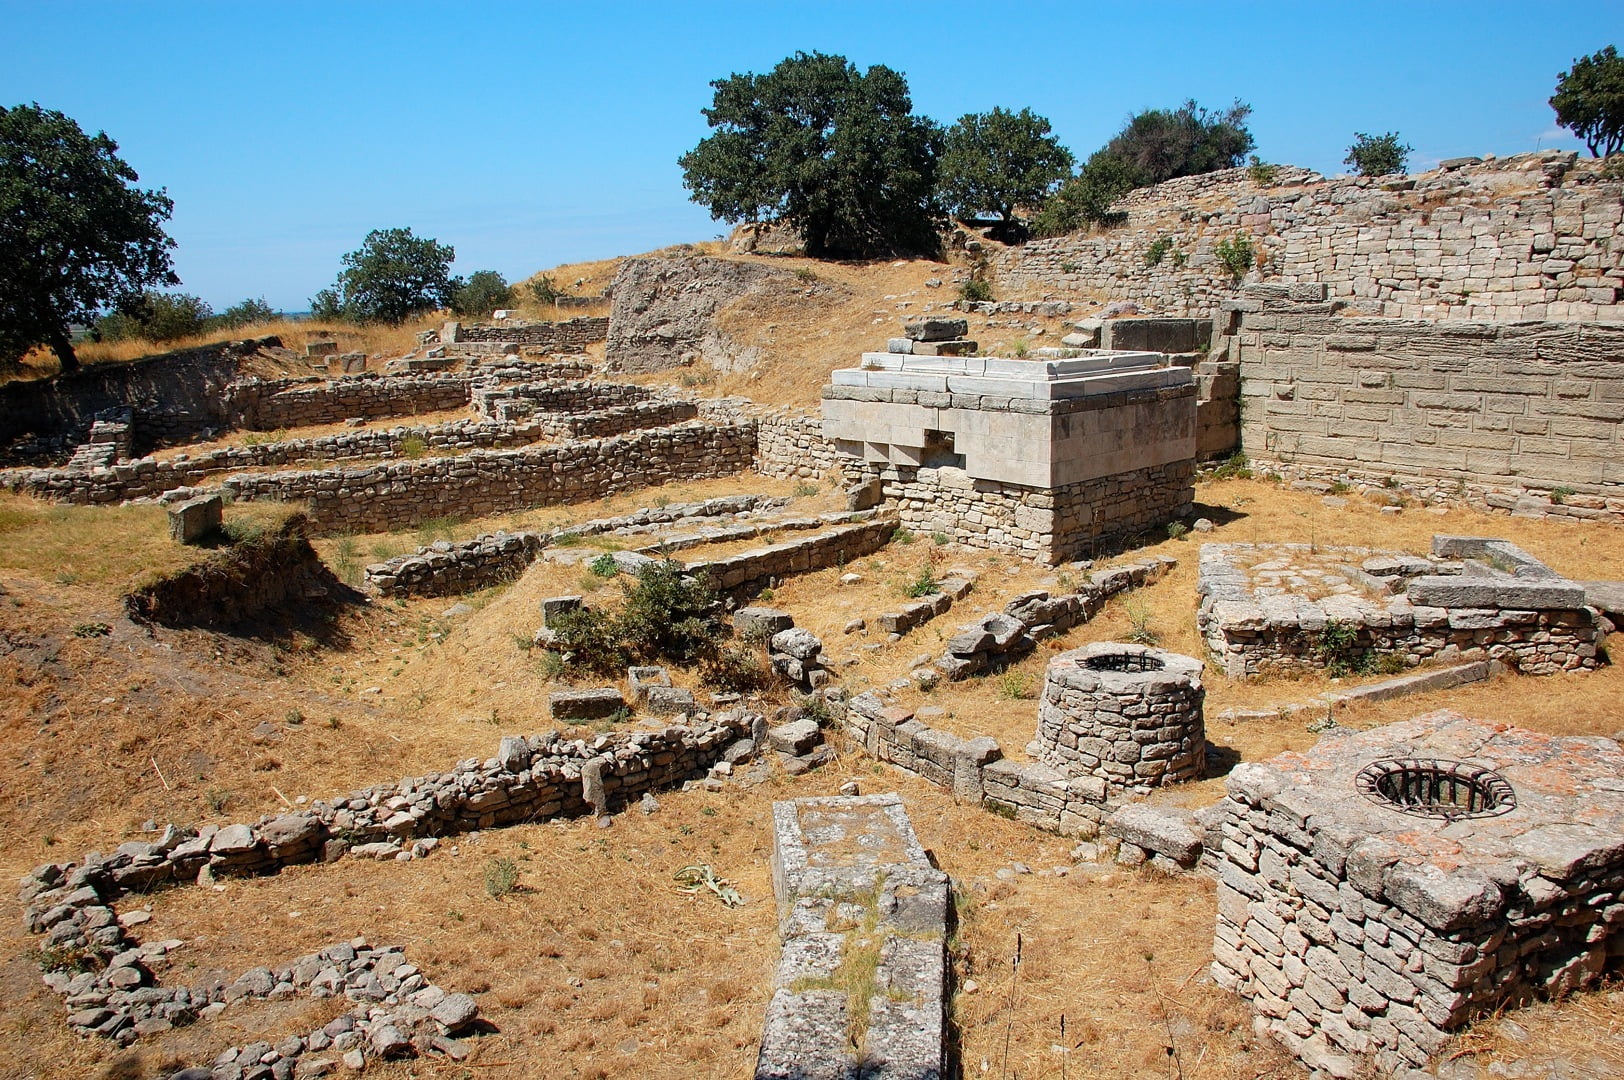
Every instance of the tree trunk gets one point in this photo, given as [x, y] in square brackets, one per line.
[63, 347]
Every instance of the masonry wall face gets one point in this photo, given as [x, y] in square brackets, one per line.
[395, 494]
[1538, 404]
[569, 336]
[1529, 237]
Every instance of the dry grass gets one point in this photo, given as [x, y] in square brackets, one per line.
[596, 965]
[295, 334]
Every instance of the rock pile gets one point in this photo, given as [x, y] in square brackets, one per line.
[994, 639]
[797, 655]
[933, 337]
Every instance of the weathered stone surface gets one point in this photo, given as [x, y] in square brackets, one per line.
[592, 704]
[1162, 830]
[196, 519]
[796, 737]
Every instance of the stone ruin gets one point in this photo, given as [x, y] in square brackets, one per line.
[1129, 715]
[856, 893]
[1296, 607]
[1380, 890]
[1048, 458]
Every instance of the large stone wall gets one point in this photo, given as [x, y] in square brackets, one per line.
[1534, 405]
[793, 445]
[1525, 237]
[398, 494]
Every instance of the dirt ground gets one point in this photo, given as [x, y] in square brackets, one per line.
[597, 965]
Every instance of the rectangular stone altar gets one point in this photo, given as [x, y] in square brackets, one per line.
[1048, 458]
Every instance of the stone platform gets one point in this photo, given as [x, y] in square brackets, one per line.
[1381, 889]
[860, 986]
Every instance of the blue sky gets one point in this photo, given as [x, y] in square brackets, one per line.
[527, 135]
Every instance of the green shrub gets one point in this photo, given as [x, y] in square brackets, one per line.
[1235, 467]
[484, 292]
[738, 669]
[1236, 254]
[1158, 249]
[1561, 494]
[545, 290]
[976, 289]
[804, 490]
[590, 640]
[1176, 530]
[922, 584]
[604, 566]
[1337, 647]
[413, 447]
[1017, 686]
[501, 877]
[1377, 155]
[1262, 173]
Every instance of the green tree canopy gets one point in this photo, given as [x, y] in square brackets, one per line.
[836, 153]
[1153, 146]
[76, 236]
[392, 276]
[157, 316]
[481, 294]
[999, 161]
[1164, 144]
[1589, 101]
[1377, 155]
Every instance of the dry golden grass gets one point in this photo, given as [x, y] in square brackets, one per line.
[295, 334]
[597, 967]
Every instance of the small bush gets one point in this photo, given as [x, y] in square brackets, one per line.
[941, 539]
[1377, 155]
[1176, 530]
[1158, 249]
[738, 669]
[604, 566]
[413, 447]
[1069, 268]
[91, 630]
[806, 275]
[922, 584]
[1235, 467]
[901, 535]
[804, 490]
[545, 290]
[1236, 254]
[1337, 647]
[1561, 494]
[1140, 632]
[1017, 686]
[976, 290]
[501, 877]
[1262, 173]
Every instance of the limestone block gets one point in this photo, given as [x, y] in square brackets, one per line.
[196, 519]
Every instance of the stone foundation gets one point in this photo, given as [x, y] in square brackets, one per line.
[1274, 608]
[1360, 927]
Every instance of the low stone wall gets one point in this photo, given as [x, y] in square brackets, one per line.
[604, 423]
[531, 778]
[571, 335]
[148, 477]
[751, 570]
[397, 494]
[266, 405]
[793, 446]
[510, 401]
[444, 568]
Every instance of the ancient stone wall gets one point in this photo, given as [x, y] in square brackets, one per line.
[510, 401]
[1053, 525]
[148, 477]
[1525, 237]
[1534, 405]
[571, 335]
[266, 405]
[837, 546]
[793, 445]
[396, 494]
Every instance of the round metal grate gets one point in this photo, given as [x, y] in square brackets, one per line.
[1124, 661]
[1436, 788]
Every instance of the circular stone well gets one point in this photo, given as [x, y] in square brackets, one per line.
[1127, 714]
